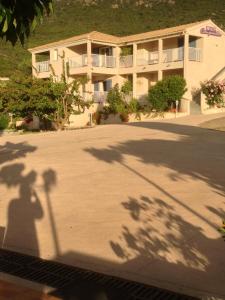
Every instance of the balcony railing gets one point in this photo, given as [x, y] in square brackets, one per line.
[42, 66]
[126, 61]
[105, 61]
[173, 55]
[78, 61]
[100, 97]
[195, 54]
[151, 59]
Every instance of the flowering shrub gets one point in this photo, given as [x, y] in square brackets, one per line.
[214, 92]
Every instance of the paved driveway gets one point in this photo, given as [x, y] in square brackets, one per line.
[141, 201]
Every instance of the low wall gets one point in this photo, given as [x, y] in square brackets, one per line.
[115, 119]
[185, 106]
[214, 110]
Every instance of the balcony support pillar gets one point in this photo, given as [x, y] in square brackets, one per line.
[134, 55]
[134, 85]
[89, 53]
[160, 75]
[186, 54]
[34, 66]
[160, 50]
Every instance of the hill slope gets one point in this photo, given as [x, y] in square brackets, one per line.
[119, 17]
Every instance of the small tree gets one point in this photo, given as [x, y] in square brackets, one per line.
[164, 94]
[56, 101]
[24, 96]
[214, 92]
[68, 100]
[115, 100]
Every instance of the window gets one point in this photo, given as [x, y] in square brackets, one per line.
[55, 54]
[192, 42]
[96, 86]
[107, 85]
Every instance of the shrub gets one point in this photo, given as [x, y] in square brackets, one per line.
[97, 116]
[115, 100]
[4, 122]
[124, 116]
[214, 92]
[134, 106]
[164, 94]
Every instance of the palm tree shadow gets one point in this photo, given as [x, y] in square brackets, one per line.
[165, 240]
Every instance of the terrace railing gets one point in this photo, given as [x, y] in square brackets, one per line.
[173, 55]
[105, 61]
[126, 61]
[78, 61]
[151, 59]
[43, 66]
[195, 54]
[100, 97]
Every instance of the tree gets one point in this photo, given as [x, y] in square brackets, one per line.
[68, 100]
[25, 97]
[164, 94]
[19, 17]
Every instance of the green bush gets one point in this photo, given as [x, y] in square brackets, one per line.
[4, 122]
[134, 106]
[164, 94]
[115, 100]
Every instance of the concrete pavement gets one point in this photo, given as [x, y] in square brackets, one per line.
[141, 201]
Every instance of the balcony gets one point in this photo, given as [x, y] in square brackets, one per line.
[100, 97]
[103, 61]
[126, 61]
[43, 66]
[173, 55]
[195, 54]
[151, 59]
[78, 61]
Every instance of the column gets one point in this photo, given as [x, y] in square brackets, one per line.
[186, 54]
[89, 59]
[160, 49]
[134, 55]
[134, 85]
[188, 94]
[160, 75]
[34, 70]
[117, 55]
[89, 73]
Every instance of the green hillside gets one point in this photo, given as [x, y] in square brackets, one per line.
[73, 17]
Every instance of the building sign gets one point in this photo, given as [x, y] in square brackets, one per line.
[210, 31]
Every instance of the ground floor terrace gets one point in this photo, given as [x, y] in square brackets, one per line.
[99, 85]
[141, 201]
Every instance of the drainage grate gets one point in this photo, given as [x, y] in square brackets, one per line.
[71, 282]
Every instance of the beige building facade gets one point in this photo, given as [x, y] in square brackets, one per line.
[195, 51]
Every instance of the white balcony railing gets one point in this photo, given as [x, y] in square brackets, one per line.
[78, 61]
[42, 66]
[195, 54]
[126, 61]
[173, 55]
[100, 97]
[105, 61]
[151, 59]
